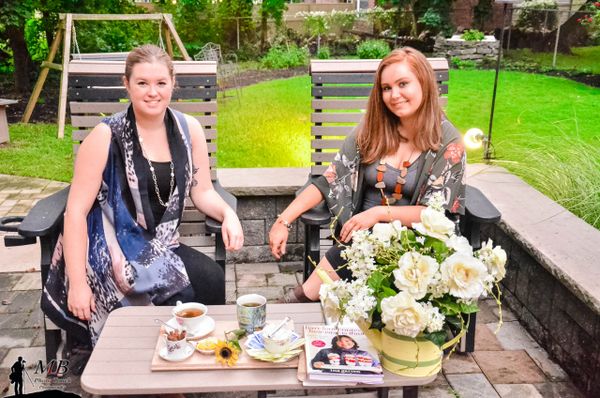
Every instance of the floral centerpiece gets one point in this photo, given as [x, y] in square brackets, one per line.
[414, 283]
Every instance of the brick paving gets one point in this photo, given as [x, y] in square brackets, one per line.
[507, 364]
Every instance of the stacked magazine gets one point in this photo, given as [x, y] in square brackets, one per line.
[340, 354]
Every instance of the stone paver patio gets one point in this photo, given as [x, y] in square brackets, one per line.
[507, 364]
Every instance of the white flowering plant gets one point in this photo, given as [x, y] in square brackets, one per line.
[414, 281]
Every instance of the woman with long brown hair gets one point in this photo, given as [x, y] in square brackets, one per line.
[402, 152]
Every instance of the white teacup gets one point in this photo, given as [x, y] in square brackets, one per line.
[189, 315]
[278, 342]
[176, 348]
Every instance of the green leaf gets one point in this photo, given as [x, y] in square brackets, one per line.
[437, 338]
[469, 308]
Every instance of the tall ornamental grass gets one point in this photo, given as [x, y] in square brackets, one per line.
[566, 168]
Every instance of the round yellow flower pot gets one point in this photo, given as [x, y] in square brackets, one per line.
[407, 356]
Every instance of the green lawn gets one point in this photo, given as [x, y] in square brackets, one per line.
[584, 59]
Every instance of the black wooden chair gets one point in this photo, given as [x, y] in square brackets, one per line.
[340, 89]
[95, 90]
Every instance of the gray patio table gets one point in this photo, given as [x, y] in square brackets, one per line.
[120, 361]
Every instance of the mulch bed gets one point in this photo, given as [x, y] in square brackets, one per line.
[47, 107]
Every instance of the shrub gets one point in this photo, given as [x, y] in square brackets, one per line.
[324, 53]
[372, 49]
[472, 35]
[462, 63]
[281, 57]
[532, 15]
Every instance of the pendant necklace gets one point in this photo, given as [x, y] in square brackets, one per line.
[400, 181]
[171, 182]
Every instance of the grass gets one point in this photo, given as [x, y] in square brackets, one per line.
[34, 151]
[584, 59]
[268, 127]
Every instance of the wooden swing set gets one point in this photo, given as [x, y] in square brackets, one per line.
[66, 30]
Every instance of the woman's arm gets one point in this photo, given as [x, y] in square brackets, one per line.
[203, 195]
[89, 165]
[278, 235]
[407, 215]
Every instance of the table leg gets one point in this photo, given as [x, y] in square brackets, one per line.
[410, 392]
[382, 392]
[261, 394]
[4, 137]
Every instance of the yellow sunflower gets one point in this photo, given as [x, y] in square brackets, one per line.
[226, 353]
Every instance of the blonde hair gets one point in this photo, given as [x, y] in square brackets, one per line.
[147, 53]
[378, 133]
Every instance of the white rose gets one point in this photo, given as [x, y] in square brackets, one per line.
[459, 244]
[384, 232]
[435, 224]
[403, 314]
[464, 276]
[414, 273]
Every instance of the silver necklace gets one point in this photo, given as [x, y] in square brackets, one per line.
[171, 182]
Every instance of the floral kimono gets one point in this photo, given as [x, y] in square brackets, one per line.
[342, 184]
[129, 256]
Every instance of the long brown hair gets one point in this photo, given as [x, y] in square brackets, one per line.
[147, 53]
[378, 134]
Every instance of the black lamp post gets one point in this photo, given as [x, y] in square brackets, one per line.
[488, 141]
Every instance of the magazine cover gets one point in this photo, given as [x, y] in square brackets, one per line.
[340, 353]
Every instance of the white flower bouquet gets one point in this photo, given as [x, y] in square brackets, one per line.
[414, 281]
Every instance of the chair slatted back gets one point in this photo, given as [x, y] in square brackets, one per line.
[340, 91]
[95, 90]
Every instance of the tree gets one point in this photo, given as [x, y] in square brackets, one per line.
[15, 14]
[430, 15]
[273, 9]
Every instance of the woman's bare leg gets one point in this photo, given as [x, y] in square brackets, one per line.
[313, 283]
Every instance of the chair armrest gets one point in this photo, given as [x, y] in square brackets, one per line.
[212, 225]
[45, 216]
[318, 215]
[478, 208]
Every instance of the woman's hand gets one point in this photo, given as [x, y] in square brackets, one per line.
[233, 236]
[318, 365]
[80, 301]
[358, 222]
[278, 236]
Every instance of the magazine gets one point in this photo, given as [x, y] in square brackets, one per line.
[340, 354]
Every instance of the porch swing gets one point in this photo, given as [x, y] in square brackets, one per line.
[76, 59]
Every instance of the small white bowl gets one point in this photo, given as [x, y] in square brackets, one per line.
[279, 342]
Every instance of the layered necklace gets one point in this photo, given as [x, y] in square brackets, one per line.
[400, 181]
[171, 182]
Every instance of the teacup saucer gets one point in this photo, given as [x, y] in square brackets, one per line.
[206, 326]
[189, 350]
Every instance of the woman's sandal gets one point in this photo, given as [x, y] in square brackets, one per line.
[294, 295]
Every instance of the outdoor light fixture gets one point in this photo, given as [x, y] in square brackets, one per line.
[474, 138]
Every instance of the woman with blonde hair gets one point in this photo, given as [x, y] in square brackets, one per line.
[403, 151]
[132, 174]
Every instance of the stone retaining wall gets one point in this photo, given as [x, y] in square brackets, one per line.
[552, 282]
[466, 50]
[262, 194]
